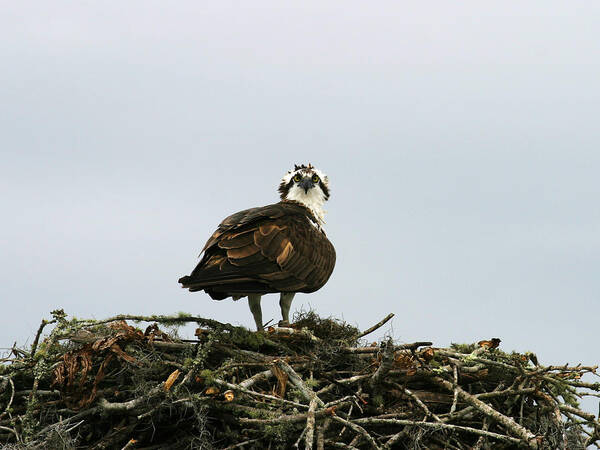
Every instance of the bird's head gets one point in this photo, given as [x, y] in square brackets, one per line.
[306, 185]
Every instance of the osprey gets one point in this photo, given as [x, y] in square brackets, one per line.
[275, 248]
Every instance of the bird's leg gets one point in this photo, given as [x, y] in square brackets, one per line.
[254, 303]
[285, 302]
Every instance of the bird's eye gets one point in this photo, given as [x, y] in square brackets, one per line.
[297, 178]
[315, 178]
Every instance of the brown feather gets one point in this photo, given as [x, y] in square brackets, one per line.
[286, 253]
[253, 259]
[275, 248]
[242, 252]
[237, 240]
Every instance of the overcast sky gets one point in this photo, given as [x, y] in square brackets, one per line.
[460, 138]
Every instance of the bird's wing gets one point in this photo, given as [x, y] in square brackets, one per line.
[269, 249]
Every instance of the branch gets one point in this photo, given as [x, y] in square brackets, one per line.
[237, 387]
[358, 429]
[38, 334]
[377, 325]
[132, 405]
[310, 424]
[418, 401]
[435, 425]
[387, 359]
[12, 395]
[296, 380]
[286, 331]
[527, 436]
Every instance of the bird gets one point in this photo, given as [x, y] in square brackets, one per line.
[277, 248]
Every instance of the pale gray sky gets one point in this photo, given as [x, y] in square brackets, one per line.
[461, 140]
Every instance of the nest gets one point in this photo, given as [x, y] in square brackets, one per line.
[318, 384]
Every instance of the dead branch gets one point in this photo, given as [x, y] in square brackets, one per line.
[523, 433]
[379, 324]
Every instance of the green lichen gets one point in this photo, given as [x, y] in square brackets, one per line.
[208, 376]
[188, 362]
[463, 348]
[312, 383]
[378, 400]
[247, 338]
[279, 435]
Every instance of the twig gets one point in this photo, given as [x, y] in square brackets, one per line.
[358, 429]
[555, 417]
[588, 416]
[11, 430]
[377, 325]
[12, 396]
[38, 334]
[331, 443]
[349, 415]
[249, 382]
[482, 439]
[455, 395]
[321, 434]
[130, 444]
[184, 318]
[288, 418]
[296, 380]
[505, 392]
[527, 436]
[387, 359]
[131, 405]
[418, 401]
[241, 444]
[302, 434]
[342, 382]
[376, 349]
[302, 333]
[81, 415]
[436, 425]
[237, 387]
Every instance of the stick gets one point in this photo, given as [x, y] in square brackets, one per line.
[237, 387]
[455, 396]
[358, 429]
[518, 430]
[287, 418]
[304, 333]
[342, 382]
[241, 444]
[297, 443]
[418, 401]
[131, 405]
[249, 382]
[39, 333]
[435, 425]
[331, 443]
[11, 431]
[377, 325]
[321, 434]
[12, 396]
[310, 424]
[376, 349]
[296, 380]
[481, 441]
[387, 360]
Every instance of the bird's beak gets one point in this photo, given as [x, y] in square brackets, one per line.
[306, 184]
